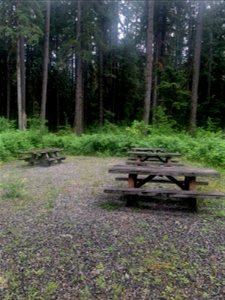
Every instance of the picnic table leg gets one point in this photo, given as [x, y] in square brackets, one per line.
[132, 179]
[32, 159]
[190, 185]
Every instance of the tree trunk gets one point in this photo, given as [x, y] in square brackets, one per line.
[23, 83]
[210, 62]
[196, 68]
[19, 90]
[148, 68]
[8, 86]
[79, 101]
[45, 62]
[100, 83]
[114, 64]
[20, 66]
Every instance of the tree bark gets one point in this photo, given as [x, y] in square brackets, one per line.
[196, 68]
[23, 83]
[149, 61]
[100, 83]
[19, 89]
[210, 62]
[20, 66]
[45, 62]
[79, 99]
[8, 96]
[114, 64]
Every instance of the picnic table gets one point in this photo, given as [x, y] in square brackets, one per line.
[156, 156]
[41, 156]
[183, 178]
[148, 149]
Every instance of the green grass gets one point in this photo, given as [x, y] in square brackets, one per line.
[12, 188]
[110, 205]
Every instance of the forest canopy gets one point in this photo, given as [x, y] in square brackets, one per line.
[84, 63]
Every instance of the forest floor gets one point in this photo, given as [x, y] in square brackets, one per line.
[62, 238]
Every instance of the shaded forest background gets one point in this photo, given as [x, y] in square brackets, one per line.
[84, 63]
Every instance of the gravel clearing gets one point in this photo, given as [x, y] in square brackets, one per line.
[62, 238]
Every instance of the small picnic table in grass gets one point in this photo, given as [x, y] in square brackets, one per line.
[41, 156]
[184, 179]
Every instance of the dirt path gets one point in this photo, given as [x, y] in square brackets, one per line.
[62, 238]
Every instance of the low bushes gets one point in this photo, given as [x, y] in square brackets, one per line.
[205, 146]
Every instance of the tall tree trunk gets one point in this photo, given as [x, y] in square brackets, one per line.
[45, 62]
[149, 61]
[79, 98]
[19, 88]
[210, 62]
[155, 99]
[114, 65]
[196, 68]
[20, 66]
[8, 85]
[23, 83]
[100, 83]
[159, 51]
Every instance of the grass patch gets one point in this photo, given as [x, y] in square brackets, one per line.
[110, 205]
[12, 188]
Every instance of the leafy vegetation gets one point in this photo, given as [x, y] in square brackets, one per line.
[206, 146]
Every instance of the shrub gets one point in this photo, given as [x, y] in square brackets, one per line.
[6, 124]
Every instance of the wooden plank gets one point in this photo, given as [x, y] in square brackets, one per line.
[153, 162]
[164, 192]
[39, 151]
[151, 154]
[198, 182]
[147, 149]
[163, 170]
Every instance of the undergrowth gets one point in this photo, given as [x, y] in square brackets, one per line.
[206, 147]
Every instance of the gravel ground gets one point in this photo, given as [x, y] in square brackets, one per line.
[62, 238]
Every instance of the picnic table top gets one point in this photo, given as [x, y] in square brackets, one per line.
[154, 154]
[147, 149]
[164, 170]
[39, 151]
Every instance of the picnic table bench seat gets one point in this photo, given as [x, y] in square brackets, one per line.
[163, 180]
[190, 195]
[153, 162]
[164, 192]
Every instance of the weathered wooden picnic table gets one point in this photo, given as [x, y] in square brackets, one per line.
[151, 156]
[183, 178]
[41, 156]
[148, 149]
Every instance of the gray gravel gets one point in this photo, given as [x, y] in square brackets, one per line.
[61, 237]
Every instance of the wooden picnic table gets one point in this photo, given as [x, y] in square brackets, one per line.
[183, 178]
[148, 149]
[142, 156]
[41, 156]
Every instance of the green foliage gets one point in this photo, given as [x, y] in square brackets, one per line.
[138, 128]
[6, 124]
[35, 123]
[205, 146]
[164, 123]
[174, 94]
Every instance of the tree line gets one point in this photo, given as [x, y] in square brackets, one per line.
[82, 63]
